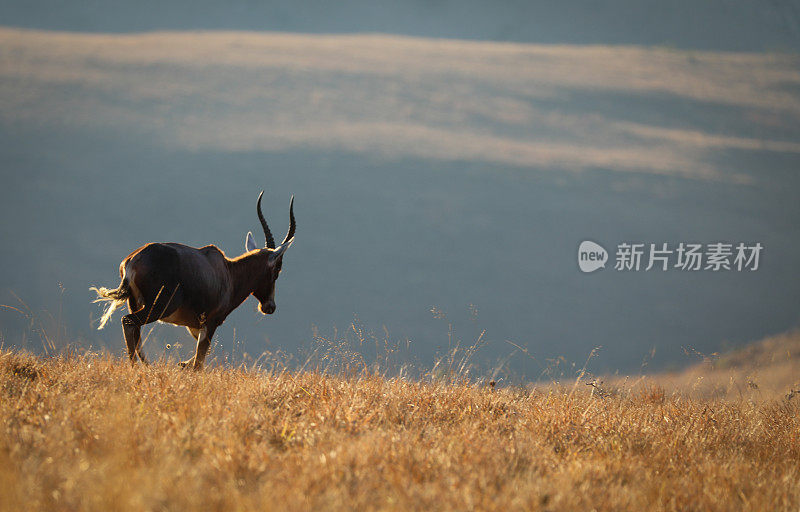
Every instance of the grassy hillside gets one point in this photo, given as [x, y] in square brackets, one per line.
[769, 368]
[88, 432]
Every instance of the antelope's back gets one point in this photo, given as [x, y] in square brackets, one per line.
[203, 275]
[199, 275]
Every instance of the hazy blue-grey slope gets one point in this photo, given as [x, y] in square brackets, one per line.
[385, 242]
[422, 180]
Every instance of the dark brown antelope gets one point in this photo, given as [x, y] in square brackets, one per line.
[196, 288]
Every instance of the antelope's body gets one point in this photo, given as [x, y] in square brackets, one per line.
[195, 288]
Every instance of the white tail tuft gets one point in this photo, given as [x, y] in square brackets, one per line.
[115, 299]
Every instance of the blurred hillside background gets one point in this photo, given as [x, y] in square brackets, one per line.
[446, 156]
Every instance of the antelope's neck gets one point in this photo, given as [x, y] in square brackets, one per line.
[246, 272]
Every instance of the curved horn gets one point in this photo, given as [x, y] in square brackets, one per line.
[267, 233]
[292, 223]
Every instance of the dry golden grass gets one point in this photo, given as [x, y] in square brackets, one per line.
[88, 432]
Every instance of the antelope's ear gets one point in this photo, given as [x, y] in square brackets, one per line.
[277, 253]
[250, 243]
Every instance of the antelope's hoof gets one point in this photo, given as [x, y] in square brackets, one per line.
[185, 364]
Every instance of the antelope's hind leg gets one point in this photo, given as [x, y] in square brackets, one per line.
[132, 330]
[132, 323]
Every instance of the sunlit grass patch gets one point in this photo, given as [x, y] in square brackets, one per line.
[90, 432]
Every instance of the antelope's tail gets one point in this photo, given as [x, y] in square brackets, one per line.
[115, 299]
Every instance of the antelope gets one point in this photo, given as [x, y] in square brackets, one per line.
[194, 288]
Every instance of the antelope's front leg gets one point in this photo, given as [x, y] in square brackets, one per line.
[204, 336]
[195, 333]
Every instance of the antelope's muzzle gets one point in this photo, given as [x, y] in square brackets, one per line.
[267, 307]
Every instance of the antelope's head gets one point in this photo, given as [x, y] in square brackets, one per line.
[265, 287]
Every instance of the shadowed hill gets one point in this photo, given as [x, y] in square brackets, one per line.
[564, 107]
[739, 25]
